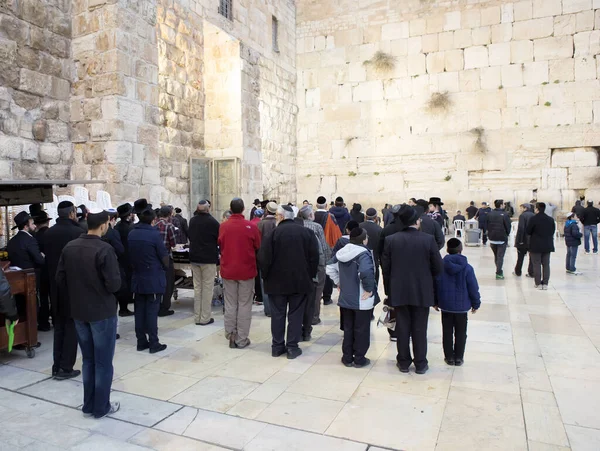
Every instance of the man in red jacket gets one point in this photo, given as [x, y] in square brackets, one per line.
[239, 240]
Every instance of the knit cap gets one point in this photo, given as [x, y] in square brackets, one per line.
[358, 235]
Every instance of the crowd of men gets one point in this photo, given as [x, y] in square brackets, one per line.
[285, 257]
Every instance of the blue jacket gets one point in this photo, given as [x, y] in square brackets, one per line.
[342, 216]
[146, 252]
[353, 270]
[572, 233]
[457, 288]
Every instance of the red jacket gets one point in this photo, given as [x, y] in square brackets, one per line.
[239, 240]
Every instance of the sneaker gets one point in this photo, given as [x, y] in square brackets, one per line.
[402, 369]
[210, 321]
[529, 276]
[292, 353]
[158, 348]
[422, 370]
[143, 347]
[449, 362]
[278, 352]
[232, 344]
[539, 287]
[515, 274]
[459, 362]
[595, 252]
[392, 338]
[545, 287]
[577, 273]
[587, 252]
[62, 375]
[367, 362]
[499, 277]
[347, 364]
[114, 408]
[570, 272]
[87, 415]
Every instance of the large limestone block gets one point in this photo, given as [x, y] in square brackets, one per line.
[546, 8]
[418, 27]
[490, 16]
[533, 29]
[575, 157]
[585, 68]
[414, 45]
[521, 51]
[575, 6]
[524, 96]
[553, 48]
[346, 112]
[535, 74]
[476, 57]
[436, 62]
[584, 20]
[501, 33]
[454, 60]
[495, 180]
[118, 152]
[584, 112]
[499, 54]
[469, 80]
[566, 25]
[368, 91]
[587, 43]
[523, 10]
[452, 21]
[491, 77]
[544, 116]
[582, 178]
[481, 36]
[463, 39]
[416, 64]
[392, 31]
[562, 70]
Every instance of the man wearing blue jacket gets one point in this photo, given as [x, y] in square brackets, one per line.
[457, 293]
[353, 270]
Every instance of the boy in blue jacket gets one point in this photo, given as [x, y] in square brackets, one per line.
[573, 241]
[352, 269]
[457, 293]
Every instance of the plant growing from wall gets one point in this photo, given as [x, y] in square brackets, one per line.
[350, 139]
[439, 102]
[382, 62]
[448, 178]
[351, 174]
[479, 145]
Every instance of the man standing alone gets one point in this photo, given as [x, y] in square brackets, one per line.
[541, 230]
[203, 233]
[498, 229]
[239, 240]
[89, 272]
[590, 219]
[289, 259]
[410, 262]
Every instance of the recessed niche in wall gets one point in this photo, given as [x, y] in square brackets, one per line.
[575, 157]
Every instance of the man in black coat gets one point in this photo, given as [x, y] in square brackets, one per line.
[498, 229]
[410, 262]
[41, 222]
[590, 218]
[23, 249]
[203, 233]
[289, 261]
[181, 224]
[541, 230]
[471, 210]
[123, 227]
[428, 225]
[522, 241]
[481, 217]
[55, 239]
[374, 233]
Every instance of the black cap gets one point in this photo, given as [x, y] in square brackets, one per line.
[256, 202]
[287, 208]
[454, 246]
[358, 235]
[371, 212]
[408, 215]
[321, 200]
[124, 210]
[203, 202]
[21, 219]
[351, 225]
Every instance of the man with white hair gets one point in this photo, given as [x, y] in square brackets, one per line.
[308, 216]
[288, 259]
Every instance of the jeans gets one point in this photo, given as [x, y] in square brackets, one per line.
[541, 262]
[293, 305]
[521, 254]
[146, 319]
[166, 300]
[357, 335]
[587, 231]
[454, 329]
[97, 343]
[411, 322]
[499, 250]
[571, 257]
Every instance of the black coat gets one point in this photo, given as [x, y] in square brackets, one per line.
[203, 233]
[288, 259]
[541, 230]
[393, 227]
[590, 216]
[433, 228]
[498, 225]
[410, 262]
[471, 211]
[55, 240]
[522, 239]
[374, 233]
[357, 216]
[123, 228]
[24, 251]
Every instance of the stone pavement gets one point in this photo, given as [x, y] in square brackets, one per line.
[531, 380]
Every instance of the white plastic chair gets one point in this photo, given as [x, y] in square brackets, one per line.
[459, 226]
[68, 198]
[103, 200]
[556, 231]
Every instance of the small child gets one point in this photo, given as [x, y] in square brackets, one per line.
[352, 269]
[457, 293]
[573, 241]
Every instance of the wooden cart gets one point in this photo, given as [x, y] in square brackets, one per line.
[22, 283]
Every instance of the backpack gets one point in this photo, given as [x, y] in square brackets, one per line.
[332, 232]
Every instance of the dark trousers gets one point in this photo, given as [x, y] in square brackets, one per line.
[357, 334]
[309, 313]
[499, 250]
[571, 257]
[65, 343]
[484, 234]
[97, 342]
[293, 305]
[541, 267]
[257, 288]
[44, 303]
[411, 322]
[328, 290]
[166, 300]
[146, 319]
[521, 254]
[454, 328]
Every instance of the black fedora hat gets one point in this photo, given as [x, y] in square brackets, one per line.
[21, 219]
[436, 201]
[140, 205]
[35, 209]
[41, 218]
[124, 210]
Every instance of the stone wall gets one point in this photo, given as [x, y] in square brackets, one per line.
[479, 96]
[35, 83]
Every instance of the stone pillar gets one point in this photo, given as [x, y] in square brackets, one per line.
[114, 112]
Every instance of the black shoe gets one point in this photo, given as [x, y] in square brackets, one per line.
[279, 352]
[458, 362]
[422, 370]
[143, 347]
[232, 344]
[292, 353]
[212, 320]
[44, 328]
[327, 302]
[347, 364]
[306, 337]
[449, 362]
[162, 313]
[62, 375]
[316, 321]
[402, 369]
[362, 365]
[118, 337]
[158, 348]
[126, 313]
